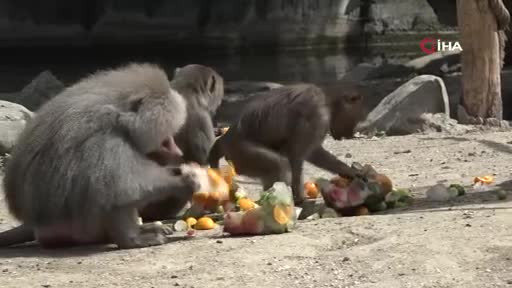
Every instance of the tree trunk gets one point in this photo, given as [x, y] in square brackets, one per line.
[481, 59]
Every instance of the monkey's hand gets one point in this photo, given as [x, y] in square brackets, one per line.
[194, 176]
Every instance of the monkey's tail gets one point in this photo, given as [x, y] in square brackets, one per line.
[17, 235]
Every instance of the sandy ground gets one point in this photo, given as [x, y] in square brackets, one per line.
[461, 243]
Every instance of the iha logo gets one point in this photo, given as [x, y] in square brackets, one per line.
[431, 45]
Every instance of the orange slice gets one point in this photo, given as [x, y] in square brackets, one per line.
[282, 214]
[245, 204]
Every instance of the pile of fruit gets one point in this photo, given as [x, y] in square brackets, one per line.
[358, 197]
[227, 203]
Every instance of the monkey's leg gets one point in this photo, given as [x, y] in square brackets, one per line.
[325, 160]
[17, 235]
[254, 160]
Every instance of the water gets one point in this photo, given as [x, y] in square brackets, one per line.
[19, 67]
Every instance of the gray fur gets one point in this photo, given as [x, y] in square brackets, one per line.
[203, 89]
[82, 159]
[286, 126]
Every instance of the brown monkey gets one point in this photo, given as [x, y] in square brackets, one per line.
[203, 90]
[285, 126]
[92, 156]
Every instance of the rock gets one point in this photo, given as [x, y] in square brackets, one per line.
[249, 87]
[440, 122]
[400, 112]
[390, 70]
[440, 193]
[438, 63]
[44, 87]
[359, 73]
[13, 118]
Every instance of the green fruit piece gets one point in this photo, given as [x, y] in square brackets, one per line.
[400, 204]
[391, 204]
[460, 189]
[502, 194]
[381, 206]
[453, 192]
[373, 200]
[374, 187]
[220, 209]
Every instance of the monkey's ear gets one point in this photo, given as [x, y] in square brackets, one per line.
[212, 83]
[135, 105]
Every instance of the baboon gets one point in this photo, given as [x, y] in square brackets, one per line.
[95, 154]
[282, 128]
[203, 90]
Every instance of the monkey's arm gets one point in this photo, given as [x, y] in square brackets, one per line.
[325, 160]
[216, 152]
[202, 138]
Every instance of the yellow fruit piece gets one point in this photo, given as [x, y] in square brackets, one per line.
[282, 214]
[224, 130]
[311, 189]
[484, 179]
[245, 204]
[191, 221]
[204, 223]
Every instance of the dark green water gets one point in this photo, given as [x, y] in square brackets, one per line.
[19, 66]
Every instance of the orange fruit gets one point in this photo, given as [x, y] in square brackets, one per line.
[200, 198]
[484, 179]
[281, 214]
[340, 182]
[204, 223]
[215, 176]
[214, 196]
[245, 204]
[385, 183]
[311, 189]
[362, 210]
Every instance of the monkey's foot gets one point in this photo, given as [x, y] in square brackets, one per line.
[156, 228]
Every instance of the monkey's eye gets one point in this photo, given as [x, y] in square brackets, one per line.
[135, 105]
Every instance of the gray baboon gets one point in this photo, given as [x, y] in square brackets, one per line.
[203, 90]
[93, 156]
[285, 126]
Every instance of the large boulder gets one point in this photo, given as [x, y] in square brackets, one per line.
[400, 112]
[13, 118]
[41, 89]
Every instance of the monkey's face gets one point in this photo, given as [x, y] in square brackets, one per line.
[346, 112]
[156, 119]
